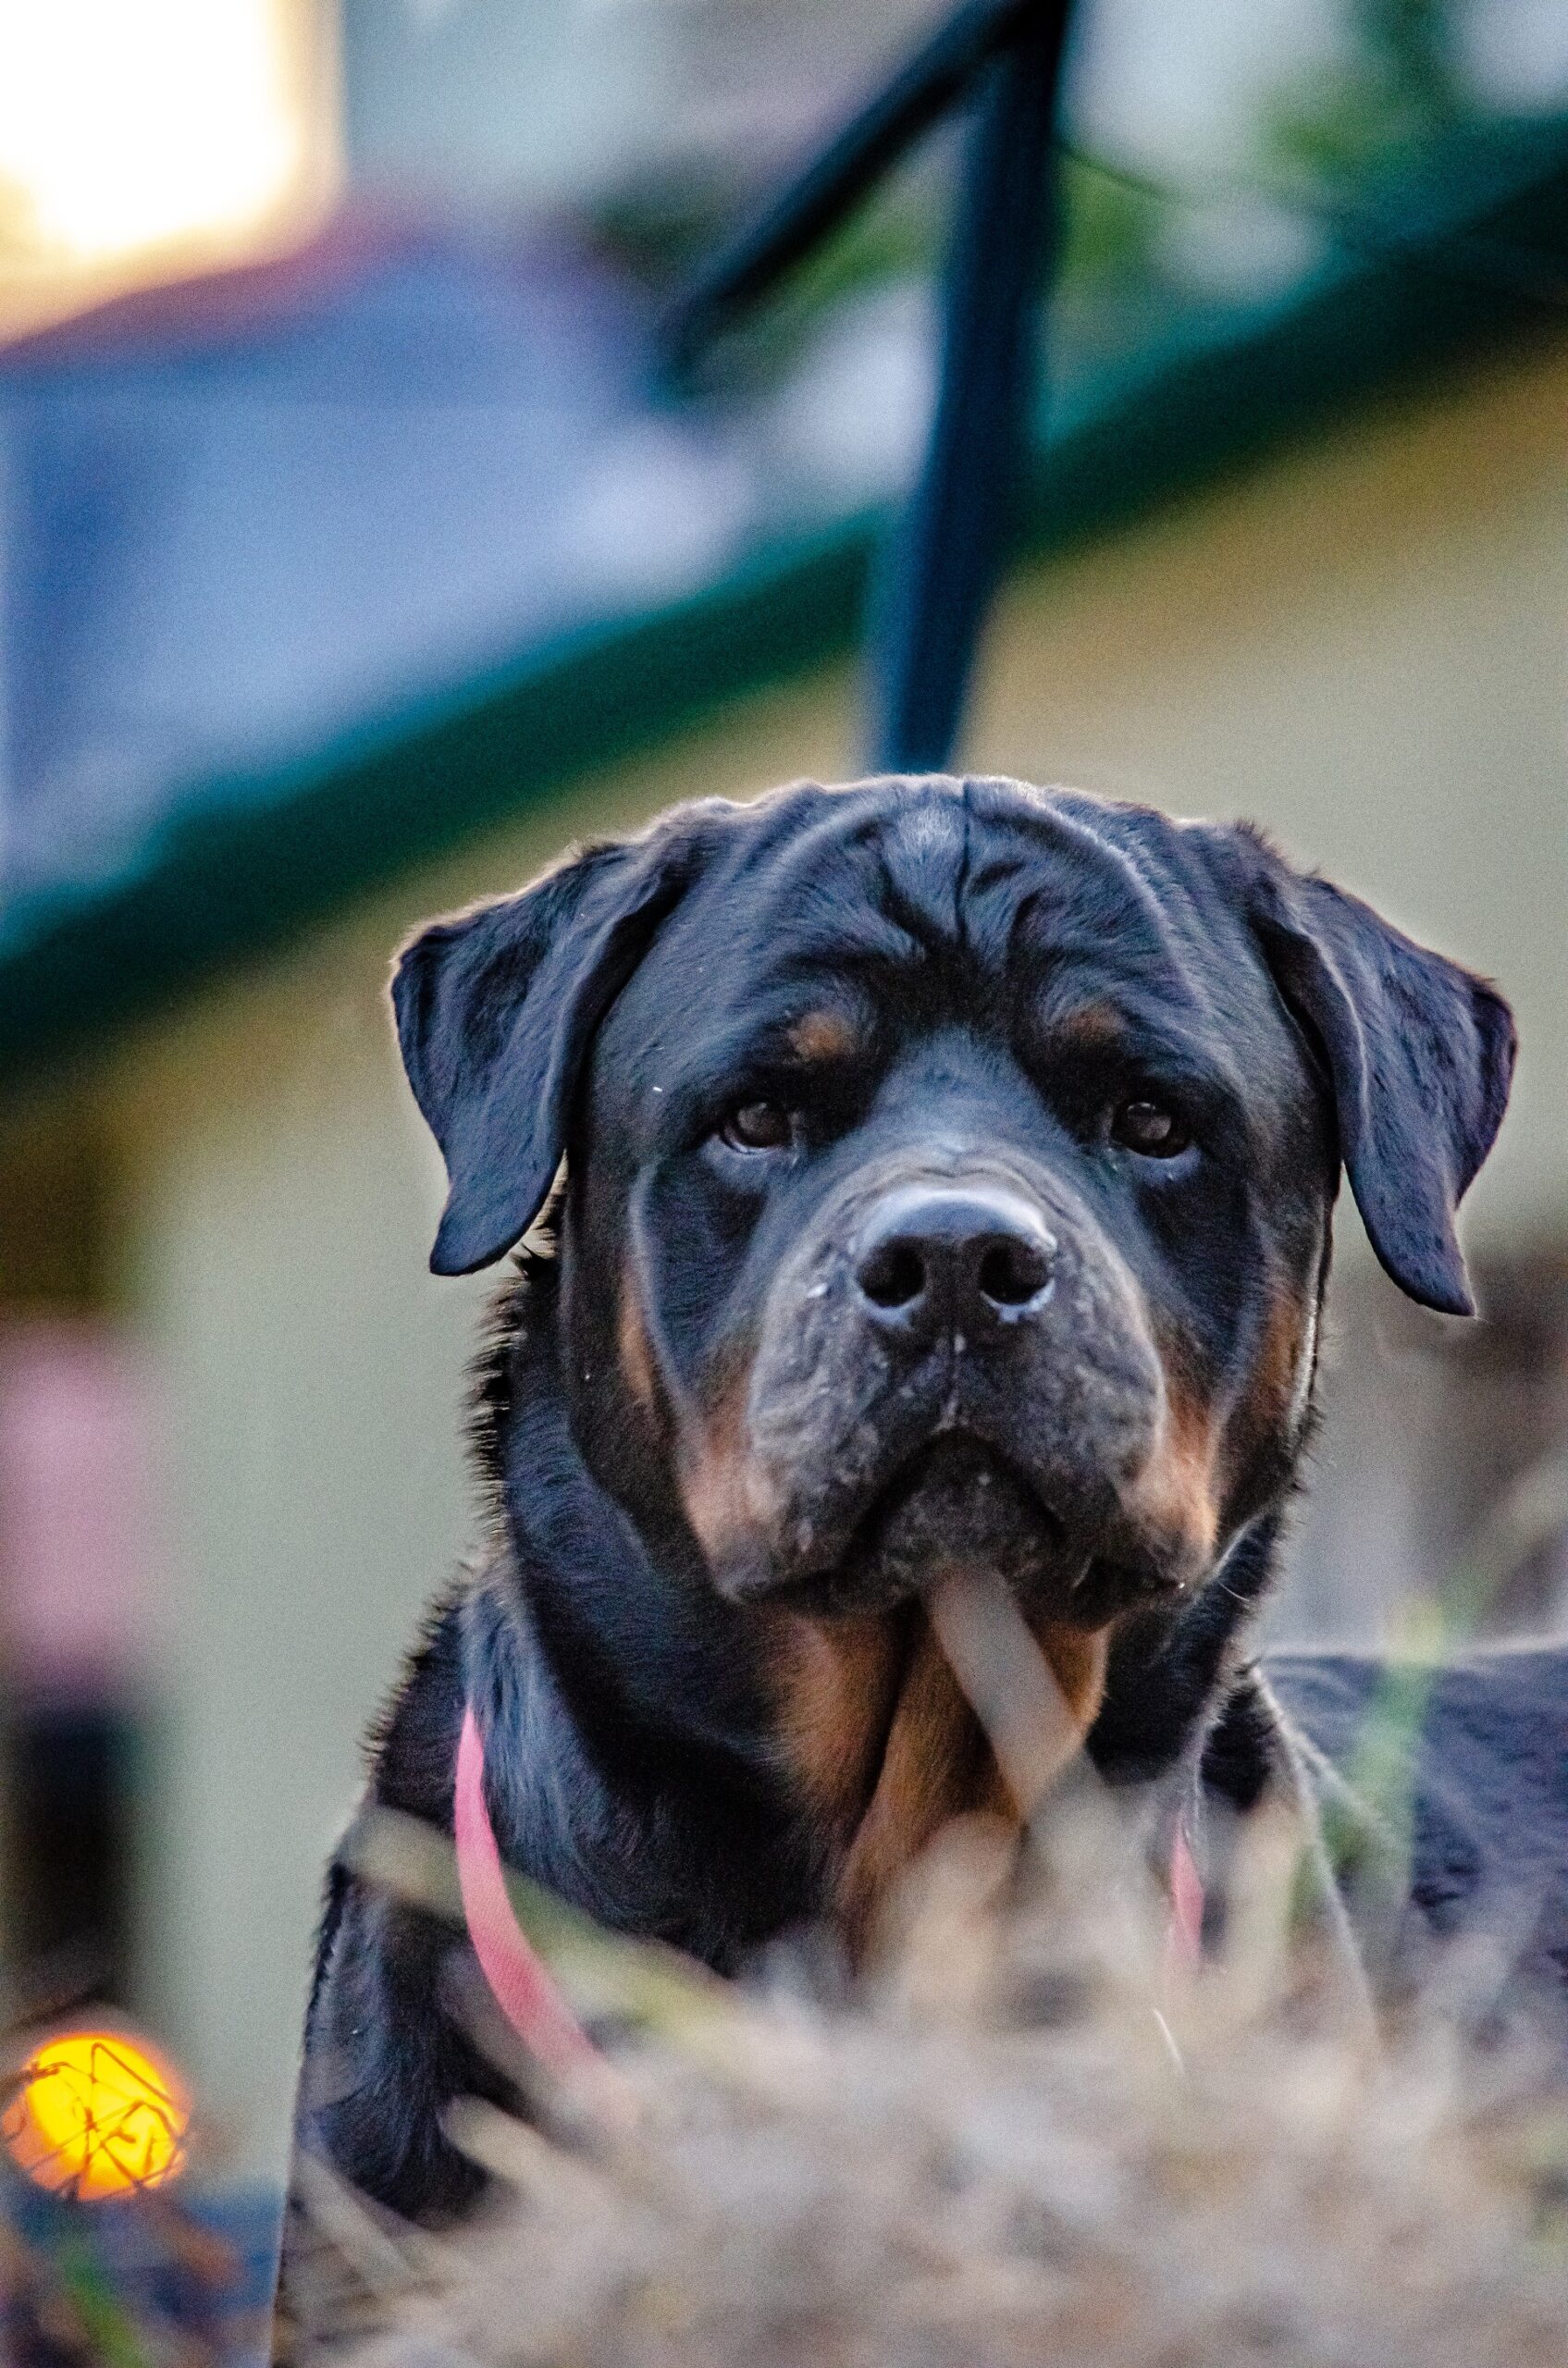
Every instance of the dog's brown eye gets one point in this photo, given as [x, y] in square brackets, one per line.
[1149, 1127]
[756, 1126]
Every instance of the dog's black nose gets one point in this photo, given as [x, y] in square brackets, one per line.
[935, 1258]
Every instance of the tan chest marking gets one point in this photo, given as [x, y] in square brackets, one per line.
[888, 1749]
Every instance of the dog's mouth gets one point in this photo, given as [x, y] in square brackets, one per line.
[955, 1502]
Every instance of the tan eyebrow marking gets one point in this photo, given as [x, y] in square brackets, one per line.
[1092, 1028]
[823, 1036]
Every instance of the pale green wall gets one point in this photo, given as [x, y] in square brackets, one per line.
[1363, 647]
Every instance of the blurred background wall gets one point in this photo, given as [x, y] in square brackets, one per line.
[355, 555]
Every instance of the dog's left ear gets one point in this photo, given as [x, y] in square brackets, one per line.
[1420, 1054]
[496, 1011]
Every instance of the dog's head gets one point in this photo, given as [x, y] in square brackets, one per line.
[949, 1173]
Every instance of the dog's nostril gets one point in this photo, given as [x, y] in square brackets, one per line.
[1012, 1273]
[894, 1275]
[940, 1256]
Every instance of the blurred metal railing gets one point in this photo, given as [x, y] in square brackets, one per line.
[1001, 61]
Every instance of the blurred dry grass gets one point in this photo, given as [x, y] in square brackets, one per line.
[1022, 2136]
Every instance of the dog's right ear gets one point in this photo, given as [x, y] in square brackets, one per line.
[496, 1010]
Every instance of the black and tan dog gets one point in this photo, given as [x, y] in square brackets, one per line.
[948, 1168]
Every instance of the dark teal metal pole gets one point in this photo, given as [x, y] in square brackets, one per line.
[1002, 60]
[946, 557]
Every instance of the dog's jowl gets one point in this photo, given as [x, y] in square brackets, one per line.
[946, 1170]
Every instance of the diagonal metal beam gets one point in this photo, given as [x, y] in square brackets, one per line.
[925, 88]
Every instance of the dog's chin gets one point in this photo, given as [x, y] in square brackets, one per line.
[954, 1505]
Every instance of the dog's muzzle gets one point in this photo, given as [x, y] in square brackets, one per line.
[954, 1365]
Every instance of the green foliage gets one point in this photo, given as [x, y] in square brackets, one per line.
[1108, 228]
[1400, 88]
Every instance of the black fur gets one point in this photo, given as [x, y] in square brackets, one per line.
[1442, 1794]
[700, 1426]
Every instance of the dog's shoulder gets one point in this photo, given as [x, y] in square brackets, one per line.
[412, 1745]
[1464, 1766]
[1487, 1729]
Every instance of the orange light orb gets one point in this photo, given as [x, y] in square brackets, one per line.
[93, 2114]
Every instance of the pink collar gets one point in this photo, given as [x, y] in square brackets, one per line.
[1184, 1934]
[527, 1994]
[520, 1982]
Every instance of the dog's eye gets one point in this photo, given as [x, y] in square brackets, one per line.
[758, 1126]
[1150, 1127]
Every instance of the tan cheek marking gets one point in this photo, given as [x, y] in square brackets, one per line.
[1277, 1371]
[1202, 1458]
[1264, 1430]
[637, 1356]
[723, 1495]
[822, 1036]
[1176, 1495]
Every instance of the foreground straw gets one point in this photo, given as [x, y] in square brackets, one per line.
[1014, 2143]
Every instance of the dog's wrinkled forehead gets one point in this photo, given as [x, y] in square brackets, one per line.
[922, 845]
[948, 892]
[984, 899]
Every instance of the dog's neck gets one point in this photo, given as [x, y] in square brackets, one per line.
[823, 1757]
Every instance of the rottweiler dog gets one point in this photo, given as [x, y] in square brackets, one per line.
[942, 1173]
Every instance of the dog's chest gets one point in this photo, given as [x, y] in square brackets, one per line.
[886, 1749]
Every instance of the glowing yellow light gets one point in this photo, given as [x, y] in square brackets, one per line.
[93, 2114]
[144, 139]
[131, 124]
